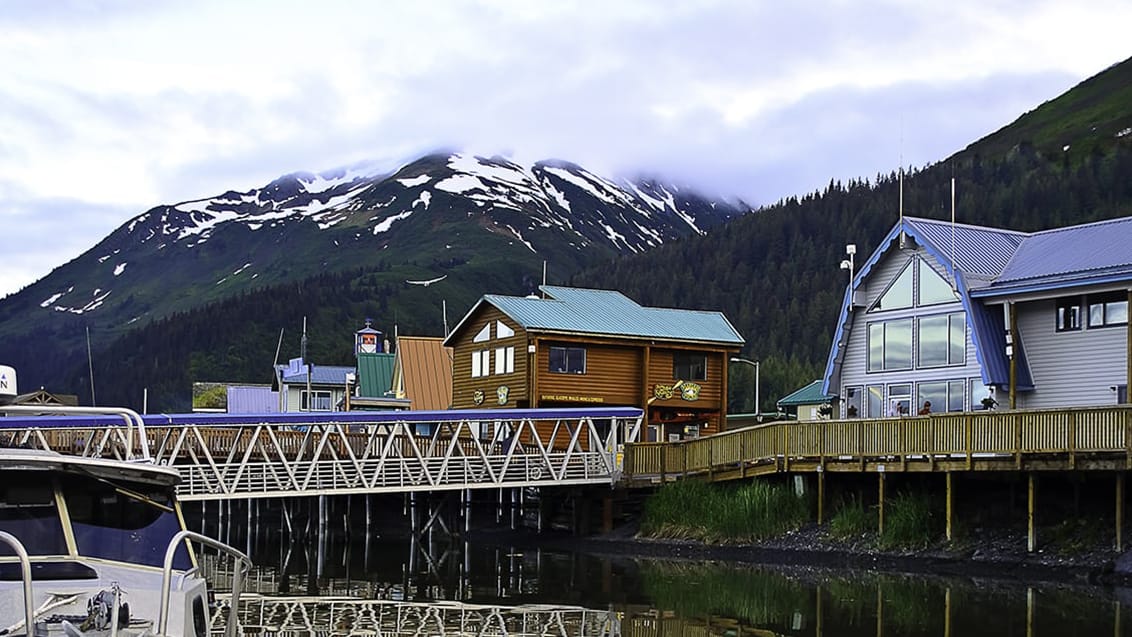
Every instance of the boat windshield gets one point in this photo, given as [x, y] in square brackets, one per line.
[123, 521]
[28, 512]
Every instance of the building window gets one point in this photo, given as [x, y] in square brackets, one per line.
[944, 395]
[875, 401]
[899, 294]
[942, 340]
[568, 360]
[853, 402]
[687, 366]
[890, 345]
[481, 363]
[899, 399]
[315, 400]
[1068, 314]
[1108, 309]
[933, 288]
[504, 360]
[483, 335]
[502, 330]
[1121, 394]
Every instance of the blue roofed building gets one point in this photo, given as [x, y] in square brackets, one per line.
[967, 317]
[576, 347]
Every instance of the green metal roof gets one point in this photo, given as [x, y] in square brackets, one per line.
[808, 395]
[610, 313]
[375, 375]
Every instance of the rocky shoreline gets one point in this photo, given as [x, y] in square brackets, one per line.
[990, 553]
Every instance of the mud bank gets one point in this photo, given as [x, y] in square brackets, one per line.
[992, 553]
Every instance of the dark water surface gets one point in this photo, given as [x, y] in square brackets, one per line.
[350, 581]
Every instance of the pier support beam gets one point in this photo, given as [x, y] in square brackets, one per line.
[821, 495]
[948, 507]
[880, 503]
[1119, 544]
[1031, 534]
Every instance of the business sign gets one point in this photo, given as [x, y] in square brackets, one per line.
[571, 398]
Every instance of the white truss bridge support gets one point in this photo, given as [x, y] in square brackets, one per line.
[223, 456]
[350, 616]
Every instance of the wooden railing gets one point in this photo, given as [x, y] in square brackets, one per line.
[1008, 435]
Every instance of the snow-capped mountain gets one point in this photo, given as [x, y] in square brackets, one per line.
[489, 224]
[442, 208]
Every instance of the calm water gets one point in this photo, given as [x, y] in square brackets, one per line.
[369, 583]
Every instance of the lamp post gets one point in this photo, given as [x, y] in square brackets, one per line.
[847, 264]
[755, 364]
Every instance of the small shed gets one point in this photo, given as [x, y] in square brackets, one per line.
[806, 403]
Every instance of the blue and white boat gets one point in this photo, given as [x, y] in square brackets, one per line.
[97, 546]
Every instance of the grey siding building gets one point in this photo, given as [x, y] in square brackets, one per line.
[963, 317]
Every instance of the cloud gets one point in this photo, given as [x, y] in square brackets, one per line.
[115, 107]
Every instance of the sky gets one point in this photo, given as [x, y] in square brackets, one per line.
[109, 108]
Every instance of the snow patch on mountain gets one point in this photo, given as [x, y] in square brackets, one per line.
[388, 222]
[413, 182]
[424, 198]
[119, 269]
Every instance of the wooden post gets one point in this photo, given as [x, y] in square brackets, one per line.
[880, 504]
[818, 613]
[948, 507]
[1013, 355]
[880, 608]
[607, 513]
[1029, 612]
[1119, 546]
[1116, 619]
[947, 610]
[821, 494]
[1031, 539]
[663, 458]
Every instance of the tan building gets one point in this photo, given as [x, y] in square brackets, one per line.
[585, 348]
[422, 373]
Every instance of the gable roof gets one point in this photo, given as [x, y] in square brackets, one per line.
[811, 394]
[423, 372]
[606, 313]
[375, 375]
[993, 262]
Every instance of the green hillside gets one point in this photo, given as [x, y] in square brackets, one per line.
[774, 273]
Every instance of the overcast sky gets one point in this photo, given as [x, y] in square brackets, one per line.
[108, 108]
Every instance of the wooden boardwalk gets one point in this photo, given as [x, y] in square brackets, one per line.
[1094, 438]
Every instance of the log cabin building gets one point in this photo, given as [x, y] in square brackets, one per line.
[578, 347]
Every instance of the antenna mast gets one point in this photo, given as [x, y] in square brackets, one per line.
[954, 281]
[90, 368]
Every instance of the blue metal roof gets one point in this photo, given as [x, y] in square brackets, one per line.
[1078, 255]
[609, 313]
[320, 375]
[977, 250]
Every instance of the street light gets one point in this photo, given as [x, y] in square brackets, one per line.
[847, 264]
[736, 359]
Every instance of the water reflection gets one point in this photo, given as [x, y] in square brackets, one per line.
[368, 582]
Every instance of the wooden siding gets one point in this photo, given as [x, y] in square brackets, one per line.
[711, 390]
[612, 376]
[1073, 368]
[464, 385]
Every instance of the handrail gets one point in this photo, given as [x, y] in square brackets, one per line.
[1010, 433]
[167, 577]
[25, 569]
[129, 415]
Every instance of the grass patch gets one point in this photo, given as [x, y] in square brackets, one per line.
[697, 510]
[852, 519]
[909, 522]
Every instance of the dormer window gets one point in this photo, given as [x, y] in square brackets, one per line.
[483, 335]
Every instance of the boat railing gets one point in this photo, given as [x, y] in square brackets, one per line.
[131, 417]
[243, 565]
[25, 572]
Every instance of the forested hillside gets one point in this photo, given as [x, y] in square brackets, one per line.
[775, 274]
